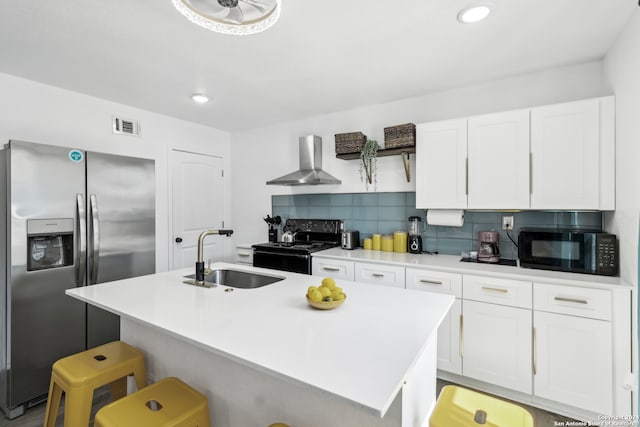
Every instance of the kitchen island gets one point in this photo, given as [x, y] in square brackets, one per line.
[263, 355]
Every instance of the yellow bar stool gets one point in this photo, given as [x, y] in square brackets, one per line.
[166, 403]
[460, 407]
[78, 375]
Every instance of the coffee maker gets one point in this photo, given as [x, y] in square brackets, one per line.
[414, 242]
[488, 250]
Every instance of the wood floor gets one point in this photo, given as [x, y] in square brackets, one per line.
[35, 416]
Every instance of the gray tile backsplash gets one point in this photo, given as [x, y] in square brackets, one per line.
[385, 213]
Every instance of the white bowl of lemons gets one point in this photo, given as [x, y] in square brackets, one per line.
[327, 296]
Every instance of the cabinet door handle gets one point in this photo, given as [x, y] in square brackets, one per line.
[530, 173]
[331, 268]
[430, 282]
[574, 300]
[461, 340]
[377, 274]
[499, 290]
[243, 255]
[466, 176]
[534, 351]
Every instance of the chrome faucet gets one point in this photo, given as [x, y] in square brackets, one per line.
[200, 262]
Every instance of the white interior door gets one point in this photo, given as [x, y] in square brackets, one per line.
[197, 205]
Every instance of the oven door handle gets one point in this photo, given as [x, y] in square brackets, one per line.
[290, 255]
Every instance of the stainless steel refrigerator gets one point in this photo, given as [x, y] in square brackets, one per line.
[69, 218]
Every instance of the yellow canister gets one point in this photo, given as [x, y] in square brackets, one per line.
[367, 243]
[387, 243]
[400, 241]
[375, 242]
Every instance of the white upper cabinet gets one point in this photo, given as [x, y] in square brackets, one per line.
[498, 152]
[556, 157]
[572, 155]
[441, 156]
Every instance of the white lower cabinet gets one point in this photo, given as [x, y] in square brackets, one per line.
[496, 335]
[573, 355]
[244, 254]
[562, 344]
[449, 348]
[449, 357]
[380, 274]
[338, 269]
[496, 342]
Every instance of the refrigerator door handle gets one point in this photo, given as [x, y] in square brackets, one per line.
[95, 238]
[81, 240]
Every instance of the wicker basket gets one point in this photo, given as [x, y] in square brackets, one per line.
[400, 136]
[347, 143]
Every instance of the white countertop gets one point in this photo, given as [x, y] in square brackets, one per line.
[452, 263]
[362, 351]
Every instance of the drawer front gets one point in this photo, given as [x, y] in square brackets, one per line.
[380, 274]
[434, 281]
[244, 255]
[514, 293]
[575, 301]
[337, 269]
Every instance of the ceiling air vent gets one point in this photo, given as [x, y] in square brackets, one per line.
[125, 126]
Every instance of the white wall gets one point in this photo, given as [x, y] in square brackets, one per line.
[265, 153]
[34, 112]
[622, 68]
[621, 71]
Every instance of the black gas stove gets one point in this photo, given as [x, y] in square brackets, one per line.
[307, 235]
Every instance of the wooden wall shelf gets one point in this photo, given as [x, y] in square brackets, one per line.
[381, 153]
[401, 151]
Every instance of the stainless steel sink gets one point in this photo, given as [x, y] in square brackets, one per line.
[238, 279]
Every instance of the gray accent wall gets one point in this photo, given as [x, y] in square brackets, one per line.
[385, 213]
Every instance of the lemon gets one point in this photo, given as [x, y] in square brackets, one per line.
[311, 289]
[335, 293]
[326, 292]
[315, 295]
[339, 297]
[329, 282]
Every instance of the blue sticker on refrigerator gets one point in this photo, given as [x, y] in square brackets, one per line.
[75, 156]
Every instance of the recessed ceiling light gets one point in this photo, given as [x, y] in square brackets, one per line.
[200, 98]
[475, 13]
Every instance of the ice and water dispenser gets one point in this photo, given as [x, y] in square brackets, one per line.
[49, 243]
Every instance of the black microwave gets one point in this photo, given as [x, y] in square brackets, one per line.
[576, 251]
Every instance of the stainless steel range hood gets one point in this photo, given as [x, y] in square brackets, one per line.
[310, 172]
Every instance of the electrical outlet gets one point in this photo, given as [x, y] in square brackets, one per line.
[507, 222]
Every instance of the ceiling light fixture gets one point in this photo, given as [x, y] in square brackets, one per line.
[475, 13]
[236, 17]
[200, 98]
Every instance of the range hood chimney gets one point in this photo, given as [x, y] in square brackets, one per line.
[310, 172]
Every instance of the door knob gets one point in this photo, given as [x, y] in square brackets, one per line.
[178, 239]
